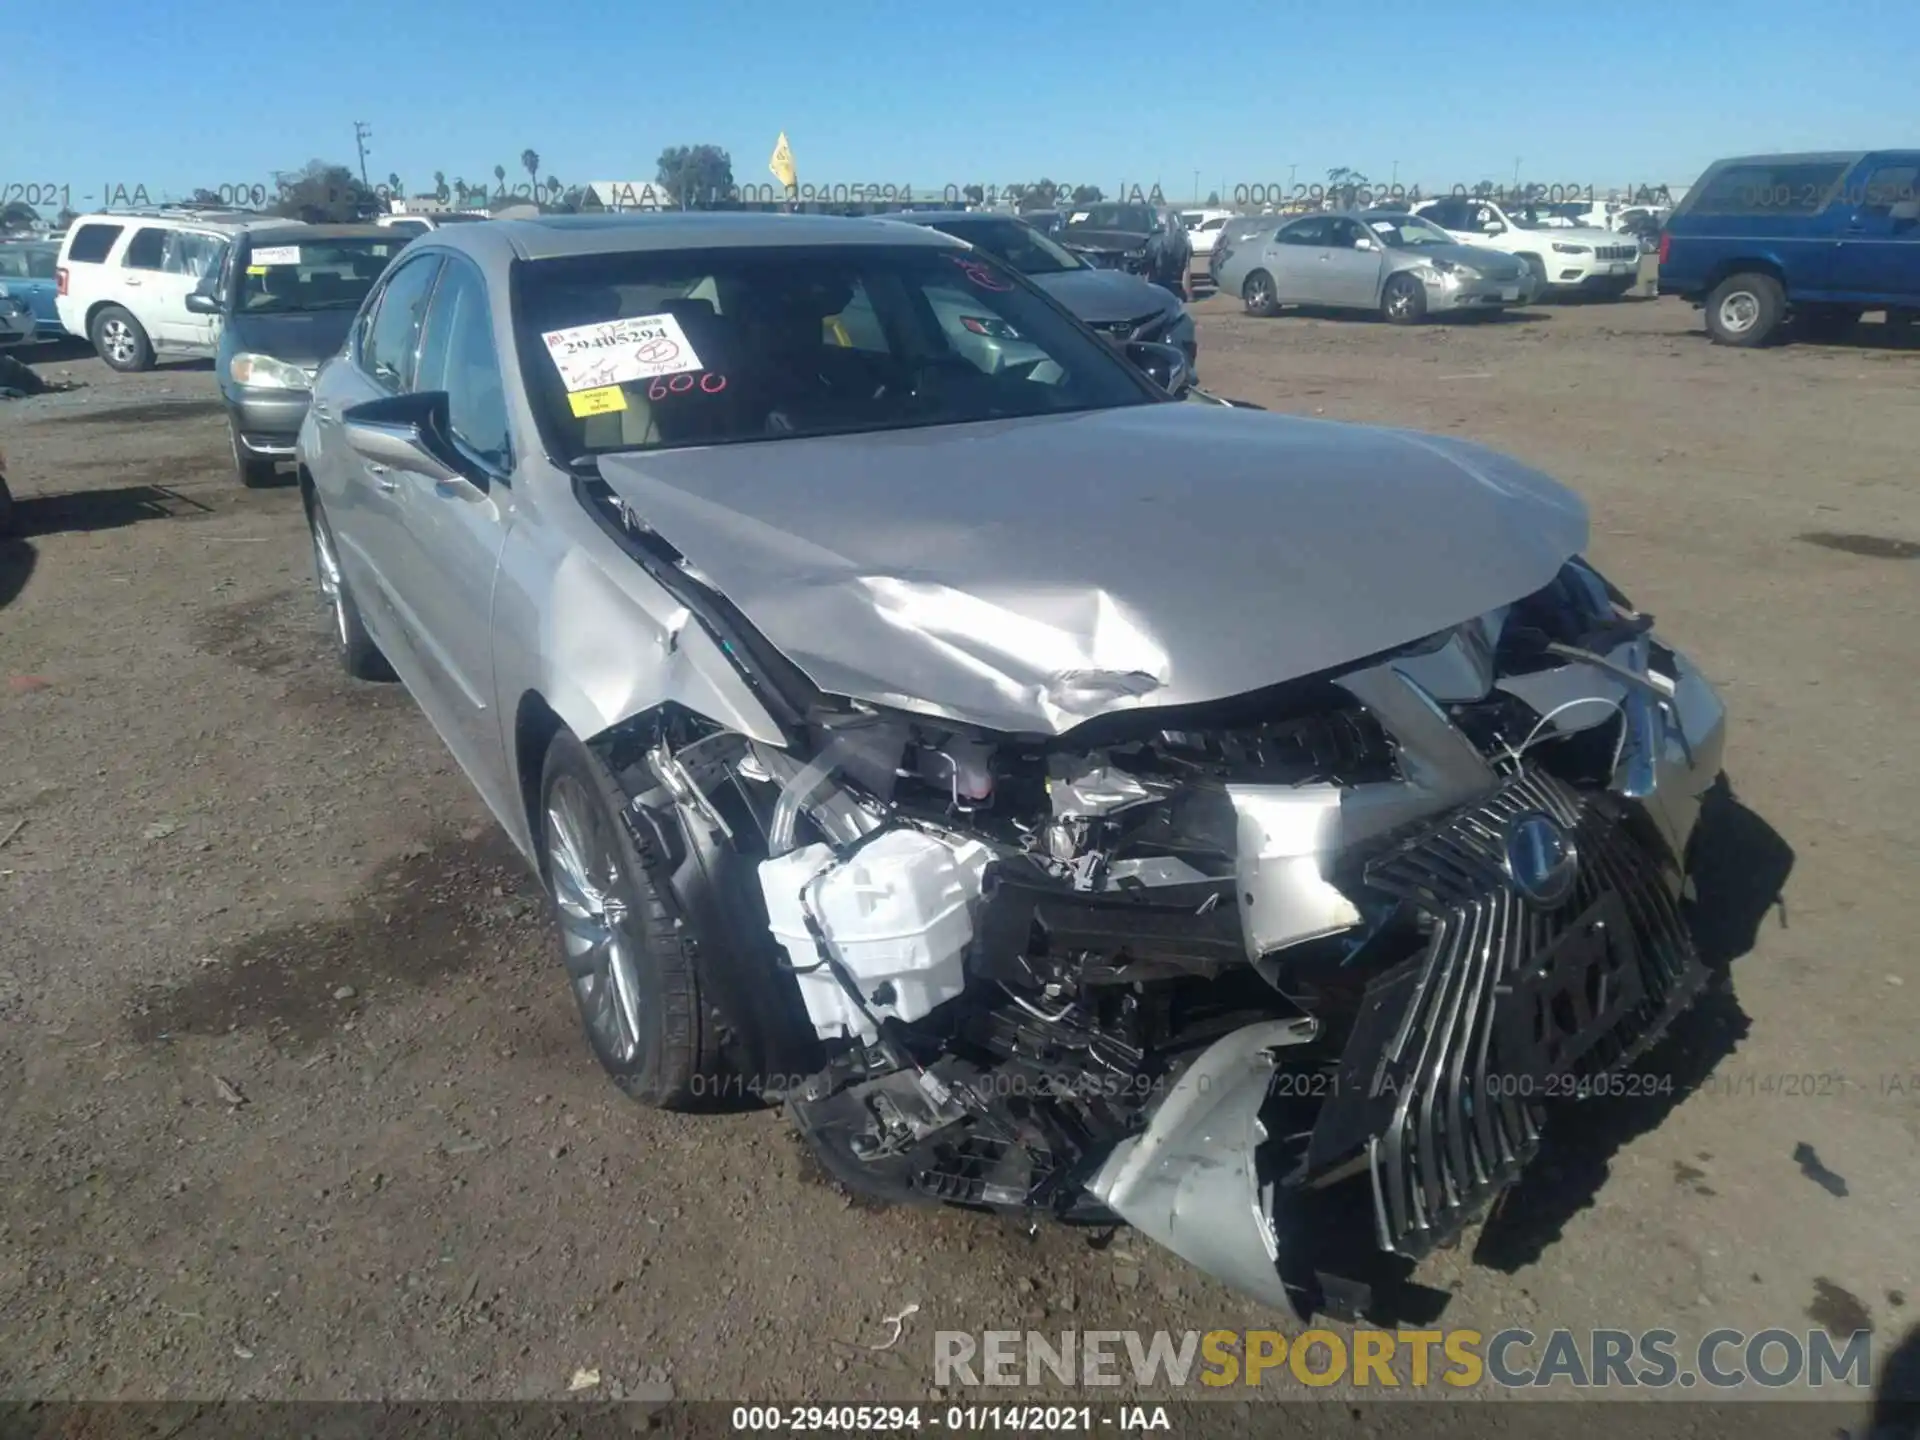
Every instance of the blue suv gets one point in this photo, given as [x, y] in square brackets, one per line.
[1815, 238]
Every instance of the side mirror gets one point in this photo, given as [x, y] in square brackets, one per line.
[1363, 243]
[1493, 227]
[1905, 211]
[406, 432]
[203, 302]
[1166, 365]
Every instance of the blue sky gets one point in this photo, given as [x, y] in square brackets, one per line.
[1104, 92]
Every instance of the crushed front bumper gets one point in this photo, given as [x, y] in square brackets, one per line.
[268, 421]
[1518, 995]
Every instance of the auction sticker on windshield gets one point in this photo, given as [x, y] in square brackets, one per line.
[603, 401]
[277, 255]
[615, 352]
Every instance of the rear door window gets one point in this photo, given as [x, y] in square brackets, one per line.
[192, 253]
[1305, 232]
[1769, 188]
[147, 250]
[93, 243]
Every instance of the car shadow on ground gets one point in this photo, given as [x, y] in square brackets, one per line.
[1527, 315]
[17, 559]
[1741, 867]
[1896, 1399]
[64, 351]
[1867, 335]
[83, 511]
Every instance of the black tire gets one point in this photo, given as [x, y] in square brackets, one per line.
[120, 340]
[253, 471]
[1825, 322]
[1745, 310]
[657, 1049]
[1403, 300]
[1256, 292]
[359, 656]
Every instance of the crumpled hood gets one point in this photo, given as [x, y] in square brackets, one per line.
[1026, 575]
[1101, 297]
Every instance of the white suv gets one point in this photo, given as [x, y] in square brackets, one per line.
[123, 278]
[1566, 258]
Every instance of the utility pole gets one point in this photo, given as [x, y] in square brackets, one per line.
[1396, 174]
[1516, 172]
[361, 132]
[1196, 187]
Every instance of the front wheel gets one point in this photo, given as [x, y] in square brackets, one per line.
[1257, 294]
[1745, 310]
[1825, 322]
[359, 656]
[632, 967]
[1404, 301]
[121, 340]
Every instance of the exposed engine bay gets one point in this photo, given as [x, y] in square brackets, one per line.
[1198, 969]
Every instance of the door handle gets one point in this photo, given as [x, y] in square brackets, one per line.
[133, 280]
[383, 477]
[322, 413]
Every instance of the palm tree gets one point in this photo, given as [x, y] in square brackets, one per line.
[500, 176]
[530, 162]
[553, 188]
[440, 184]
[394, 188]
[460, 189]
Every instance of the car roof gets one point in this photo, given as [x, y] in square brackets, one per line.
[294, 230]
[227, 222]
[943, 217]
[550, 237]
[1801, 157]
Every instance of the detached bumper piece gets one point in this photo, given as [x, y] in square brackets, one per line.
[1512, 1001]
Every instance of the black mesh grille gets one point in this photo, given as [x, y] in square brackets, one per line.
[1512, 1001]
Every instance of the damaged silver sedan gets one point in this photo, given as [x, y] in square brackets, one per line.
[1063, 799]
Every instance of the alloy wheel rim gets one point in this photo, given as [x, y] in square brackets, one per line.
[326, 566]
[119, 340]
[1258, 293]
[1739, 311]
[1399, 302]
[587, 880]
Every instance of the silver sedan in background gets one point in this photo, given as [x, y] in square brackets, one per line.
[1388, 261]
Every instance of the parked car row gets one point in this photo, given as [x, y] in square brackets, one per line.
[271, 300]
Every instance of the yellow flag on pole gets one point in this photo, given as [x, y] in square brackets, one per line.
[782, 163]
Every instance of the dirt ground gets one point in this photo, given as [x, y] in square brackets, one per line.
[295, 1102]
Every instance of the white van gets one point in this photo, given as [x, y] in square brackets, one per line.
[123, 278]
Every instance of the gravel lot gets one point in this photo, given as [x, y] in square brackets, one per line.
[296, 1103]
